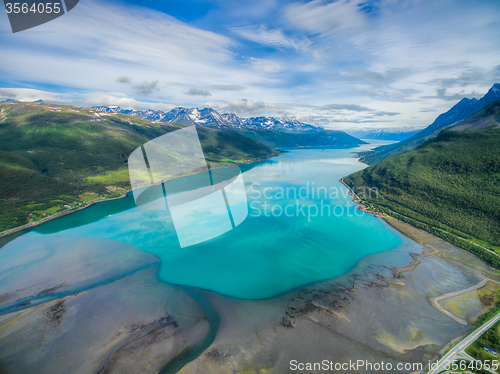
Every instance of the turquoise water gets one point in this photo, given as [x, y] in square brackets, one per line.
[281, 245]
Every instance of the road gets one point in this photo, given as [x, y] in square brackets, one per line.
[458, 351]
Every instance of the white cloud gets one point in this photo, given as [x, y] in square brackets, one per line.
[145, 88]
[120, 99]
[245, 107]
[271, 37]
[124, 80]
[226, 87]
[84, 100]
[210, 105]
[29, 95]
[331, 116]
[393, 60]
[99, 39]
[197, 92]
[264, 65]
[326, 18]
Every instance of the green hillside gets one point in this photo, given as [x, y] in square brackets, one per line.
[53, 157]
[449, 185]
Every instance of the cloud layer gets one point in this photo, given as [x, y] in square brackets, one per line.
[336, 63]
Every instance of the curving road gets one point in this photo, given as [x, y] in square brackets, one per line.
[459, 349]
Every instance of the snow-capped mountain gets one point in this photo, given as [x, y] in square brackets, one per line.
[211, 118]
[233, 119]
[152, 115]
[194, 116]
[280, 124]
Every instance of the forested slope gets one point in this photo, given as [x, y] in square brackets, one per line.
[449, 183]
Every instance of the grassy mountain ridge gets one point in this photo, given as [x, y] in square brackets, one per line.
[484, 119]
[52, 156]
[450, 183]
[459, 112]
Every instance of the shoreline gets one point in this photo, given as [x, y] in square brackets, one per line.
[122, 196]
[58, 215]
[410, 232]
[127, 192]
[401, 227]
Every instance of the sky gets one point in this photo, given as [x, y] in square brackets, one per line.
[340, 64]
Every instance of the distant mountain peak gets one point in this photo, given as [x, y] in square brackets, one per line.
[209, 117]
[467, 100]
[492, 95]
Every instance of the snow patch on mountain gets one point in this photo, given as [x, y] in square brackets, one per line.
[211, 118]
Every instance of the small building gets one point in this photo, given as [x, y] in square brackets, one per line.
[489, 349]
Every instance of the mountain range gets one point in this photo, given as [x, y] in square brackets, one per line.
[271, 131]
[211, 118]
[460, 111]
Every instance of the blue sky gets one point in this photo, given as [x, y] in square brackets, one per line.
[341, 64]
